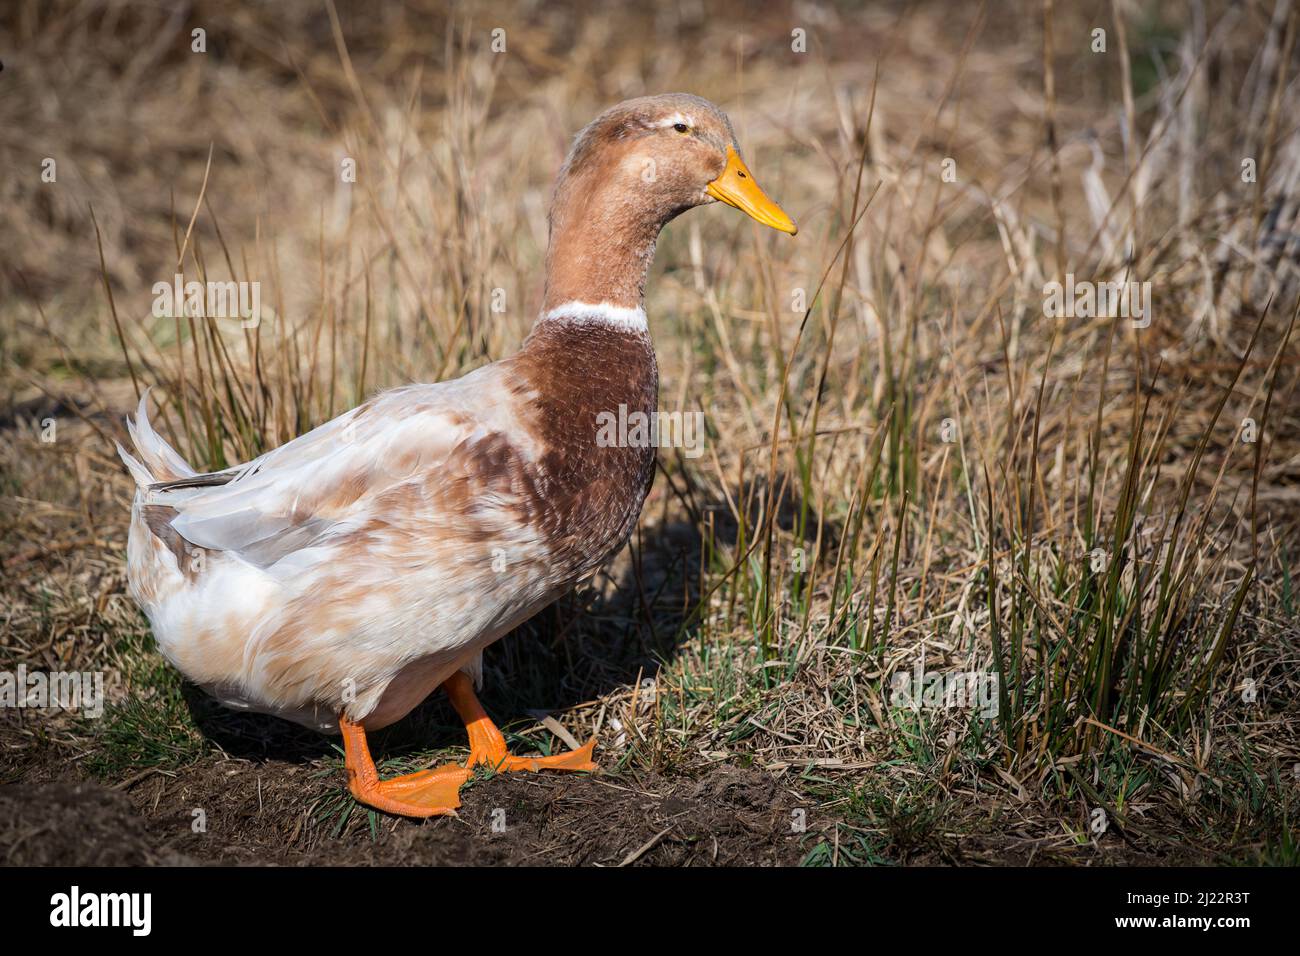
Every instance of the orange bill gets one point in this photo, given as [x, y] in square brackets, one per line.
[736, 187]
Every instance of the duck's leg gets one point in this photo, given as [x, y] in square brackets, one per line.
[427, 793]
[487, 746]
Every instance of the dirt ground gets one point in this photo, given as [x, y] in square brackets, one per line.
[262, 814]
[276, 813]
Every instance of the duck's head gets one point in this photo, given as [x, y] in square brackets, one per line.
[631, 170]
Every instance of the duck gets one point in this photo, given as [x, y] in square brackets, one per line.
[341, 578]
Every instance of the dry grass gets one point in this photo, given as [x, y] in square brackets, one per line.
[908, 461]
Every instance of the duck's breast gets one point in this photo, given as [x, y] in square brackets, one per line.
[576, 380]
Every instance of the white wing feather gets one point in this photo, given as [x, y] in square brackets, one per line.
[272, 506]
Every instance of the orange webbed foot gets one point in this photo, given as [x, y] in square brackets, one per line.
[488, 747]
[429, 793]
[502, 760]
[426, 793]
[436, 792]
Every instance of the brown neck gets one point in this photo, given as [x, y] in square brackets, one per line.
[602, 243]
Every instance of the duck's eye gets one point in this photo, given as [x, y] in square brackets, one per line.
[681, 127]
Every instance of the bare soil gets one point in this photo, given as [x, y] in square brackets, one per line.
[263, 814]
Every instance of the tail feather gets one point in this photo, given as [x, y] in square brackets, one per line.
[158, 460]
[138, 471]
